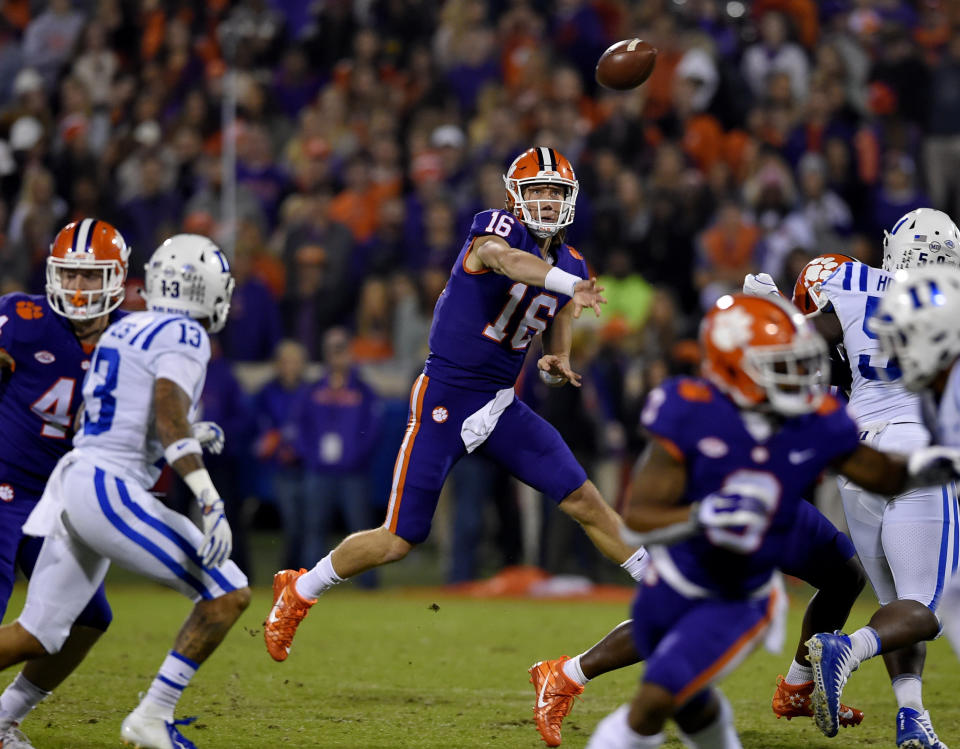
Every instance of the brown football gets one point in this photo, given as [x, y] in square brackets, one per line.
[626, 64]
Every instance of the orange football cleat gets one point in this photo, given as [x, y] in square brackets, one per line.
[555, 695]
[289, 609]
[793, 701]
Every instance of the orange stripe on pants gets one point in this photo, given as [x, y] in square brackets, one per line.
[745, 640]
[417, 393]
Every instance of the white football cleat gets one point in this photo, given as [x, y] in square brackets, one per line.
[149, 732]
[12, 737]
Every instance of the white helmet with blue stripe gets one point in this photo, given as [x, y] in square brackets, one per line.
[917, 322]
[189, 275]
[923, 236]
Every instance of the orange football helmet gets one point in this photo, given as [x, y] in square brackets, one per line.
[763, 354]
[86, 245]
[539, 166]
[806, 291]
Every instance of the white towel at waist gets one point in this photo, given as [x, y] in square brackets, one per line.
[478, 426]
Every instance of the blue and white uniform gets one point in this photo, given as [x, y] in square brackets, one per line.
[96, 507]
[482, 326]
[38, 403]
[908, 545]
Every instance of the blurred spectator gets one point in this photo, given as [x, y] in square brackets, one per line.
[727, 252]
[280, 468]
[373, 341]
[941, 151]
[49, 39]
[897, 194]
[629, 296]
[96, 64]
[336, 425]
[37, 196]
[253, 327]
[151, 216]
[824, 211]
[774, 52]
[225, 402]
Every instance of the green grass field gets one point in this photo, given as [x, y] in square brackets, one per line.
[387, 670]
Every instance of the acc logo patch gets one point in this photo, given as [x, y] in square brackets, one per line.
[6, 492]
[440, 414]
[713, 447]
[44, 357]
[29, 310]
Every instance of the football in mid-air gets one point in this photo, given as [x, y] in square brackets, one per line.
[626, 64]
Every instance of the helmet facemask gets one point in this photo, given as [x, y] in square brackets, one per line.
[529, 211]
[794, 376]
[85, 304]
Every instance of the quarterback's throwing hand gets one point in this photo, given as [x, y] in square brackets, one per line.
[210, 435]
[217, 536]
[587, 294]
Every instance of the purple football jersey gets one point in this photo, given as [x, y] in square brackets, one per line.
[483, 321]
[704, 428]
[39, 400]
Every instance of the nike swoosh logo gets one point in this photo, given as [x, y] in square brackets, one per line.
[272, 616]
[543, 689]
[800, 456]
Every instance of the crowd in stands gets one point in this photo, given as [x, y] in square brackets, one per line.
[369, 132]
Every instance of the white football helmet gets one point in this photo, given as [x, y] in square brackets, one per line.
[921, 237]
[189, 275]
[917, 322]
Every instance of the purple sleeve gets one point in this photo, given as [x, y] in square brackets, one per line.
[502, 224]
[840, 431]
[666, 415]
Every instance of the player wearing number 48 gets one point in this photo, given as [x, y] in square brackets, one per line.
[45, 347]
[514, 278]
[140, 395]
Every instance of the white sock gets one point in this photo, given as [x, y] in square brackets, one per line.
[908, 689]
[614, 732]
[865, 643]
[798, 674]
[18, 699]
[573, 671]
[637, 564]
[172, 678]
[312, 584]
[721, 734]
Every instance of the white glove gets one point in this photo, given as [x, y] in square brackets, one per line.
[217, 536]
[733, 521]
[932, 466]
[759, 284]
[210, 435]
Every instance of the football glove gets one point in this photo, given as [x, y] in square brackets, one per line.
[759, 284]
[210, 435]
[217, 537]
[733, 521]
[932, 466]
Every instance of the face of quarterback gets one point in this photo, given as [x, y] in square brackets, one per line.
[545, 201]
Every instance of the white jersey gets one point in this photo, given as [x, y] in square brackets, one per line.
[118, 431]
[876, 394]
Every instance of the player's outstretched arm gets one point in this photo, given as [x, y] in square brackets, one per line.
[185, 455]
[891, 474]
[495, 254]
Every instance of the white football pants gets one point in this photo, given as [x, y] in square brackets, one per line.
[908, 544]
[106, 519]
